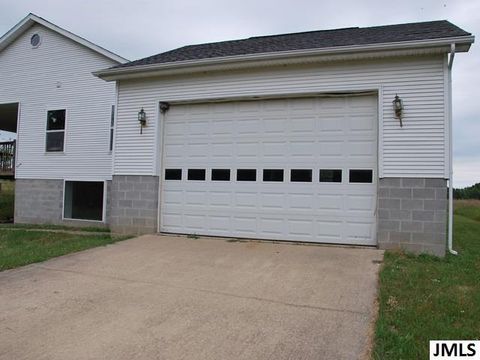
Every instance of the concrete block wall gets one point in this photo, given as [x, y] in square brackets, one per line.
[412, 215]
[134, 204]
[40, 201]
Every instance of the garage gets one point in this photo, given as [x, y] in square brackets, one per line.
[296, 169]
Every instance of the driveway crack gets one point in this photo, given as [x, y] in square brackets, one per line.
[214, 292]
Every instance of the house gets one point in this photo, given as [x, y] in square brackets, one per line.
[338, 136]
[62, 116]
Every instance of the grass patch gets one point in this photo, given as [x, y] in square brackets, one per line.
[22, 247]
[424, 298]
[55, 227]
[7, 199]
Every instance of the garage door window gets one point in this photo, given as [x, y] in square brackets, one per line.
[331, 175]
[275, 175]
[83, 200]
[220, 174]
[196, 174]
[300, 175]
[246, 175]
[173, 174]
[361, 176]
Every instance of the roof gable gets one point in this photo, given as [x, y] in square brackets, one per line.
[32, 19]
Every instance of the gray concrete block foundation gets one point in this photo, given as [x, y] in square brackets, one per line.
[40, 201]
[412, 215]
[134, 204]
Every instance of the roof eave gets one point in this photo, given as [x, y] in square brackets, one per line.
[462, 43]
[32, 19]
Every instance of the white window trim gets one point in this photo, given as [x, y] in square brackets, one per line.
[104, 209]
[53, 108]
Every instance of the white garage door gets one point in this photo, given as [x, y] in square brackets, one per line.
[287, 169]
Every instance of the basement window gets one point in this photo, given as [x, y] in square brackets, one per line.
[55, 138]
[83, 200]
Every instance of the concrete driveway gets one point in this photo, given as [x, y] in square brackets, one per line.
[165, 297]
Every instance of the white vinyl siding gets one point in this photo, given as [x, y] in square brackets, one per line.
[58, 75]
[416, 150]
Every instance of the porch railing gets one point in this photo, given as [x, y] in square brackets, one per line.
[7, 158]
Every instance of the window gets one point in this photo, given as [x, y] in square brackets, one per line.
[300, 175]
[35, 40]
[246, 175]
[272, 175]
[173, 174]
[196, 174]
[55, 130]
[331, 175]
[112, 124]
[361, 176]
[83, 200]
[220, 174]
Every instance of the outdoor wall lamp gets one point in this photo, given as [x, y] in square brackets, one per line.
[398, 108]
[142, 119]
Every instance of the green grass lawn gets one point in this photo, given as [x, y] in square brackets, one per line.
[22, 247]
[55, 227]
[424, 298]
[6, 200]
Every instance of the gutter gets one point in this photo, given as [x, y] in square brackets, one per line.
[463, 44]
[450, 150]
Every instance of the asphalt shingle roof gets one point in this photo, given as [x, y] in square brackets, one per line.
[308, 40]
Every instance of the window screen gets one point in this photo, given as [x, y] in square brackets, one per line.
[246, 175]
[300, 175]
[55, 136]
[361, 176]
[196, 174]
[83, 200]
[173, 174]
[331, 175]
[273, 175]
[220, 174]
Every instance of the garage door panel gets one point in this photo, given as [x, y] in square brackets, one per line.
[244, 225]
[313, 133]
[302, 125]
[271, 226]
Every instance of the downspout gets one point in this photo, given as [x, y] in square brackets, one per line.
[450, 150]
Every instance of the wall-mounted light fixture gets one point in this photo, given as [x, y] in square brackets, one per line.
[142, 119]
[398, 108]
[164, 106]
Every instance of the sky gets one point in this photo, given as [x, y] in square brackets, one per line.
[135, 29]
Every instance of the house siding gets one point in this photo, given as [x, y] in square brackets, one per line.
[416, 150]
[58, 75]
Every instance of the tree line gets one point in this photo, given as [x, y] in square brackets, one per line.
[470, 192]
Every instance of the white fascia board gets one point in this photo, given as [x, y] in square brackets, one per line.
[463, 44]
[32, 19]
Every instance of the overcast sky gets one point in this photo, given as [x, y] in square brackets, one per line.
[136, 29]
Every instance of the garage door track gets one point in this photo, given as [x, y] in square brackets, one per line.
[166, 297]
